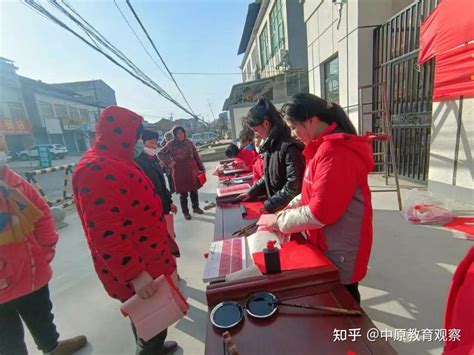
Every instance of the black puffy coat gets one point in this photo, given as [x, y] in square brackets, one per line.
[283, 169]
[152, 168]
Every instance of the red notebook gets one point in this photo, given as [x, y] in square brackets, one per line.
[295, 256]
[232, 190]
[202, 178]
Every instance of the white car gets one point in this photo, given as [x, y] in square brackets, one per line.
[203, 138]
[58, 151]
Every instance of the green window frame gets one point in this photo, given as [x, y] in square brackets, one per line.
[264, 47]
[331, 79]
[277, 29]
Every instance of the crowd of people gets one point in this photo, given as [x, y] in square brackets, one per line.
[310, 168]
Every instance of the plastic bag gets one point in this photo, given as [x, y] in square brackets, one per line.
[423, 207]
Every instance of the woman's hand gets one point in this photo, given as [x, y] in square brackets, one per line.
[243, 197]
[143, 285]
[173, 208]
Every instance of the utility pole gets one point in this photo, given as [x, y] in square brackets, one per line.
[210, 107]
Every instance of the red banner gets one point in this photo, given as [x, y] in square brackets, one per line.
[10, 126]
[454, 74]
[450, 25]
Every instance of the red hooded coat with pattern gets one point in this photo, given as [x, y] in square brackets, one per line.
[119, 210]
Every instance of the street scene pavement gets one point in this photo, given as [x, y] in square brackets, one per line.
[410, 272]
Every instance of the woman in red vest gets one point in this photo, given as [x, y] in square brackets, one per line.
[334, 208]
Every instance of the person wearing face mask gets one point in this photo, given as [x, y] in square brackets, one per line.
[145, 156]
[27, 247]
[283, 161]
[181, 155]
[334, 208]
[122, 217]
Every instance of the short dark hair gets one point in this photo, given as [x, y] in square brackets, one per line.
[301, 107]
[231, 151]
[148, 135]
[177, 129]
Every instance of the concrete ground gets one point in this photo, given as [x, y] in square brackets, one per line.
[409, 275]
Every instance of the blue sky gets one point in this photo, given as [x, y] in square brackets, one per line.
[192, 36]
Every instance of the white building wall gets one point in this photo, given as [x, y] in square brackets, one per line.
[451, 170]
[270, 69]
[346, 29]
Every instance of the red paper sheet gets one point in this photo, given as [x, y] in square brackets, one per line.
[295, 256]
[462, 224]
[232, 190]
[253, 209]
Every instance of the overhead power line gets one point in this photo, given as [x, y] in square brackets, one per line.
[157, 52]
[97, 41]
[139, 40]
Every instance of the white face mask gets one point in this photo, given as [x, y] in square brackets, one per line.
[3, 158]
[150, 151]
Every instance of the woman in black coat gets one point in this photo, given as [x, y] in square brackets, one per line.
[283, 160]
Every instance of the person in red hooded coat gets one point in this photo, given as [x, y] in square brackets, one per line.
[334, 208]
[459, 310]
[122, 216]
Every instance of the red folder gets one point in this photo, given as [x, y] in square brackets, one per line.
[202, 178]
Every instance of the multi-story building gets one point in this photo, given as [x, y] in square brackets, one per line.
[34, 112]
[14, 124]
[353, 43]
[96, 91]
[274, 63]
[59, 116]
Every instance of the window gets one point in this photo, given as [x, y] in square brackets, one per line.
[331, 80]
[61, 111]
[73, 113]
[276, 27]
[17, 111]
[264, 47]
[46, 110]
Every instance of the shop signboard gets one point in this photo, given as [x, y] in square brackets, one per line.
[14, 126]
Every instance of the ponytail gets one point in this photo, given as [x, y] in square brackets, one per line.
[301, 107]
[264, 110]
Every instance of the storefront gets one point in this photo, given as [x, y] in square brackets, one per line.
[17, 134]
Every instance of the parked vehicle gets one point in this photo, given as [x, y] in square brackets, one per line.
[58, 151]
[203, 138]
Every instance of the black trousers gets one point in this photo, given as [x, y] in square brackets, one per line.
[183, 199]
[154, 346]
[35, 310]
[354, 291]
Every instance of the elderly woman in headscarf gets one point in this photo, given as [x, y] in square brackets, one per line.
[27, 241]
[181, 155]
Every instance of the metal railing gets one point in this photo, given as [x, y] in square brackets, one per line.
[66, 200]
[410, 87]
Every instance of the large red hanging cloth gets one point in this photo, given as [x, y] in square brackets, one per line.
[450, 25]
[454, 74]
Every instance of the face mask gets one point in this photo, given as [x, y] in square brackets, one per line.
[3, 158]
[138, 148]
[150, 151]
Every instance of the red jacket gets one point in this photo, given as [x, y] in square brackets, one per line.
[257, 169]
[25, 266]
[459, 308]
[247, 155]
[119, 210]
[336, 190]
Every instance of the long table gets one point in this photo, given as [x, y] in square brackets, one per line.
[289, 330]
